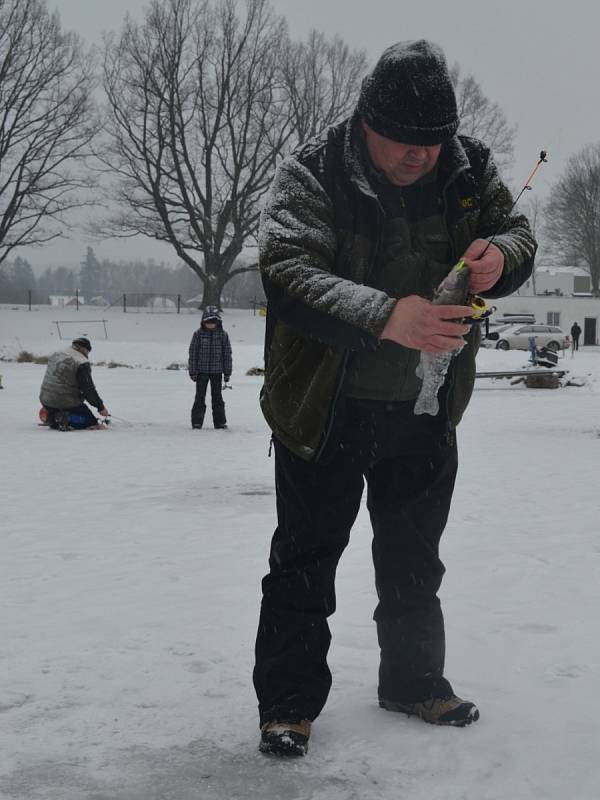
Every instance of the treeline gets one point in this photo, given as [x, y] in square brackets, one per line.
[103, 282]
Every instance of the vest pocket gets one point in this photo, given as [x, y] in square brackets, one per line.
[299, 390]
[283, 366]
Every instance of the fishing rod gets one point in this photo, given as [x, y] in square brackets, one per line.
[477, 303]
[542, 160]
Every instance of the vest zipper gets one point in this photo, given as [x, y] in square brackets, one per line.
[342, 375]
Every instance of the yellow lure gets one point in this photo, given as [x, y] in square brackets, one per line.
[477, 303]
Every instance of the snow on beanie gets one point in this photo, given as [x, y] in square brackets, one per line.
[409, 97]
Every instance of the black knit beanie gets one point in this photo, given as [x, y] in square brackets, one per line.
[409, 97]
[83, 342]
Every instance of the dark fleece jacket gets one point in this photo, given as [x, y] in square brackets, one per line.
[320, 233]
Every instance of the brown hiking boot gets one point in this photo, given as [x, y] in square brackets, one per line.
[285, 738]
[438, 710]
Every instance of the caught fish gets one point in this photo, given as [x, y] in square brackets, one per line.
[433, 367]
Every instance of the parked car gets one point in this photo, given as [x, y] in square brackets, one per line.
[516, 337]
[513, 319]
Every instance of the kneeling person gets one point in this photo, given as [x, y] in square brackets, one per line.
[67, 384]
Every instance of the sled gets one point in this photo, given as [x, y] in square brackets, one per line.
[43, 423]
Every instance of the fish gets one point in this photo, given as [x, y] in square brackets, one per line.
[433, 367]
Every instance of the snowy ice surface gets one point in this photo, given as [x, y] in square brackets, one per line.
[131, 566]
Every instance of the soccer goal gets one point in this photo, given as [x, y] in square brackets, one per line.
[92, 328]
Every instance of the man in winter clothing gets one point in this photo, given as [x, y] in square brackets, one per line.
[209, 361]
[360, 227]
[67, 383]
[575, 334]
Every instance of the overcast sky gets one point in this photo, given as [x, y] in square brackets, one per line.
[539, 59]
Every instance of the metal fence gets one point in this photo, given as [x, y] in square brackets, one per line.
[127, 302]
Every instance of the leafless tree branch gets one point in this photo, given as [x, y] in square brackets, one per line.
[48, 123]
[202, 101]
[573, 213]
[483, 119]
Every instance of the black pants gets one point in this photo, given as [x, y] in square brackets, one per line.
[216, 396]
[409, 463]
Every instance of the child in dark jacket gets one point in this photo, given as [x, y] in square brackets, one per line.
[209, 362]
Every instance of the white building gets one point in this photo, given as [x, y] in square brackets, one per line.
[557, 281]
[61, 300]
[562, 297]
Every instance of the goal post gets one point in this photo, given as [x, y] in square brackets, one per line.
[93, 328]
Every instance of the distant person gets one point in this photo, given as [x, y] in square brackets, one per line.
[532, 349]
[575, 334]
[67, 386]
[210, 362]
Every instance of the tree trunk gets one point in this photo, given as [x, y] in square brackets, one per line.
[595, 278]
[211, 295]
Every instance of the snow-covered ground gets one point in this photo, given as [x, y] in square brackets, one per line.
[131, 566]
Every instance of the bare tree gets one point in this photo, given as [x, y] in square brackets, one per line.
[483, 119]
[203, 100]
[196, 125]
[47, 123]
[573, 213]
[534, 210]
[322, 80]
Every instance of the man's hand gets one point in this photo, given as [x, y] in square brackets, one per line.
[485, 269]
[421, 325]
[104, 412]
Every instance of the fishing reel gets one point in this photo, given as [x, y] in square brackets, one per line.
[480, 307]
[477, 303]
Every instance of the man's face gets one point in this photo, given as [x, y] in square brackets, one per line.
[402, 164]
[211, 325]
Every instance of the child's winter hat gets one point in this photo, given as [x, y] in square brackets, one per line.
[211, 312]
[409, 97]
